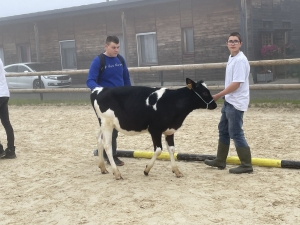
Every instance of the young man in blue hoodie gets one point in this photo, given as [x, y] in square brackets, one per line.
[114, 74]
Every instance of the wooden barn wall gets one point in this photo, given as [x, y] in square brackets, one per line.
[256, 18]
[9, 44]
[168, 31]
[65, 28]
[49, 43]
[211, 24]
[90, 34]
[295, 37]
[1, 38]
[277, 12]
[213, 21]
[250, 32]
[132, 59]
[186, 21]
[144, 19]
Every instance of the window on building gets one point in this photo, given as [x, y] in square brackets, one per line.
[266, 38]
[267, 24]
[24, 54]
[2, 55]
[188, 40]
[287, 34]
[147, 48]
[68, 55]
[286, 24]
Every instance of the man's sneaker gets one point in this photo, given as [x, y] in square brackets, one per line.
[2, 152]
[10, 153]
[118, 162]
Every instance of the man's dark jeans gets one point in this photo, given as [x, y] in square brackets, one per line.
[230, 126]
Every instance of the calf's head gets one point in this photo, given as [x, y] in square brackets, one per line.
[200, 89]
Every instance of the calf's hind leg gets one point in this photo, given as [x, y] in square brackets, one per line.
[107, 139]
[171, 150]
[100, 152]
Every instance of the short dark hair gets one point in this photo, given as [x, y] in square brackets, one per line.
[113, 39]
[235, 34]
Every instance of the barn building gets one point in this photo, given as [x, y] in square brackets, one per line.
[152, 32]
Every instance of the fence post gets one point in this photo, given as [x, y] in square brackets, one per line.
[161, 76]
[40, 84]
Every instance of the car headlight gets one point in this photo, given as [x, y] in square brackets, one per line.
[51, 77]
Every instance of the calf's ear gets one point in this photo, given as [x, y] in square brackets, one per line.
[189, 83]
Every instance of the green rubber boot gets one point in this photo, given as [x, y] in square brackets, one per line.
[245, 158]
[220, 160]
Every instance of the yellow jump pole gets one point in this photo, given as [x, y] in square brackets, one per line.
[196, 157]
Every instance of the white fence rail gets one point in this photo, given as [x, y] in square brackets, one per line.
[219, 87]
[277, 62]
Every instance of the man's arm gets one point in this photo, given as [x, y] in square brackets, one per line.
[231, 88]
[91, 81]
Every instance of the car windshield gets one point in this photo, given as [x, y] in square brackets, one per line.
[38, 67]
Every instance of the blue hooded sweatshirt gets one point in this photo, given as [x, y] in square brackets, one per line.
[114, 74]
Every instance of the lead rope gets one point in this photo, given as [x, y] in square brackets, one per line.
[189, 86]
[203, 99]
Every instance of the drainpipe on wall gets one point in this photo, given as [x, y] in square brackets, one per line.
[125, 41]
[37, 42]
[244, 27]
[37, 50]
[124, 35]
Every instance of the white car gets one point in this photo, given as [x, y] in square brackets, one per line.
[51, 81]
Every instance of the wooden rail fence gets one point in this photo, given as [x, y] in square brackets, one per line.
[277, 62]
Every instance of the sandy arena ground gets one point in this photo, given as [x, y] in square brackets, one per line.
[55, 178]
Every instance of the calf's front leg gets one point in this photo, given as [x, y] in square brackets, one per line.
[156, 138]
[171, 149]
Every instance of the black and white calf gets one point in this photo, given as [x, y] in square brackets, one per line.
[134, 110]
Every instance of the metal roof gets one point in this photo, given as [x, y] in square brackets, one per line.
[77, 10]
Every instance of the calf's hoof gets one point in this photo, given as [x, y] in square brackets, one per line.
[177, 173]
[104, 171]
[118, 177]
[117, 174]
[146, 171]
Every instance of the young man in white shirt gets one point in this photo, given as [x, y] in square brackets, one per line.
[4, 116]
[236, 101]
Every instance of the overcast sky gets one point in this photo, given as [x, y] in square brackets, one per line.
[18, 7]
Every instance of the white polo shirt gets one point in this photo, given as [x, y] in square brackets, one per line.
[238, 70]
[4, 92]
